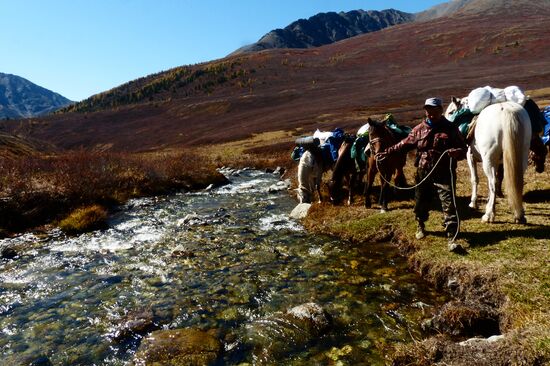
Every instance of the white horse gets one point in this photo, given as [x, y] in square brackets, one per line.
[502, 135]
[310, 173]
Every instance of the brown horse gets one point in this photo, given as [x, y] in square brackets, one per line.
[381, 137]
[347, 171]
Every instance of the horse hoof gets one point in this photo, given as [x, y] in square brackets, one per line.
[383, 210]
[473, 205]
[522, 220]
[488, 218]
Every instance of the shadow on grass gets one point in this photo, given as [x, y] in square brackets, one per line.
[491, 237]
[537, 196]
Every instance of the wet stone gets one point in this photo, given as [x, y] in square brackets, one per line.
[134, 323]
[178, 347]
[8, 253]
[283, 334]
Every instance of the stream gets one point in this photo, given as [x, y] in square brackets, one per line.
[223, 259]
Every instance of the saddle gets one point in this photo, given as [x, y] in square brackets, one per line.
[470, 133]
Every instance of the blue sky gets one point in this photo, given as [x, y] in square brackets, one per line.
[82, 47]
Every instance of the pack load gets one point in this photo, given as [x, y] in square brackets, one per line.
[399, 131]
[328, 142]
[363, 130]
[546, 130]
[462, 118]
[480, 98]
[359, 148]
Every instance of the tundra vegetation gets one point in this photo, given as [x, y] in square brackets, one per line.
[36, 189]
[501, 286]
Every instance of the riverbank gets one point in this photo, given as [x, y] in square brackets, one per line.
[38, 190]
[500, 287]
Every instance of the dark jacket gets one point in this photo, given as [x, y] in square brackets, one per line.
[430, 143]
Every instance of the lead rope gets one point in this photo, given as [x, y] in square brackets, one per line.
[424, 180]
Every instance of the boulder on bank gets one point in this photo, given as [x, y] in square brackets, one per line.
[178, 347]
[300, 211]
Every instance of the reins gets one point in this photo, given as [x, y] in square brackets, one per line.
[416, 185]
[424, 180]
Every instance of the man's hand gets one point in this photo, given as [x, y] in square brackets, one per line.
[381, 155]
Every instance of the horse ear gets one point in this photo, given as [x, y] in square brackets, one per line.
[369, 120]
[455, 100]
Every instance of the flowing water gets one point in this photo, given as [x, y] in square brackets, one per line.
[221, 259]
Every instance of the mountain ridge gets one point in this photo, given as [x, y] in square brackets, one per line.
[20, 98]
[392, 70]
[326, 28]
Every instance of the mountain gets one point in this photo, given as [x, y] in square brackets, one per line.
[326, 28]
[497, 43]
[19, 98]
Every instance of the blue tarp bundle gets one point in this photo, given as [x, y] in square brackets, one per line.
[546, 134]
[329, 149]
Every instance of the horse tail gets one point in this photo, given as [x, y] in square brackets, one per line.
[515, 145]
[305, 179]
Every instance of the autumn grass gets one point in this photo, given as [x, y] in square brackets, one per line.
[38, 189]
[85, 219]
[507, 265]
[262, 150]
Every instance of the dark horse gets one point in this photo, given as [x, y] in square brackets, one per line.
[381, 137]
[346, 171]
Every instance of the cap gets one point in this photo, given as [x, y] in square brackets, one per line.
[433, 102]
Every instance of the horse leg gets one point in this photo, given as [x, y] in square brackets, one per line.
[490, 172]
[351, 183]
[474, 179]
[384, 191]
[370, 180]
[499, 178]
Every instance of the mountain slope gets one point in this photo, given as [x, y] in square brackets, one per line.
[392, 70]
[481, 7]
[326, 28]
[19, 98]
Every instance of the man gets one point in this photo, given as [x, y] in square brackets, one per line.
[432, 138]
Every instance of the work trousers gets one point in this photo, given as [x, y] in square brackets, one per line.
[423, 195]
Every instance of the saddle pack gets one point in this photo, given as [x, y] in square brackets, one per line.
[327, 142]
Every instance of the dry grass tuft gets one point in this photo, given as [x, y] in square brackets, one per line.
[85, 219]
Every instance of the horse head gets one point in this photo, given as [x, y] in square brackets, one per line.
[380, 136]
[455, 105]
[538, 158]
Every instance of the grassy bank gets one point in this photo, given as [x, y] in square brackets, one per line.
[38, 189]
[502, 284]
